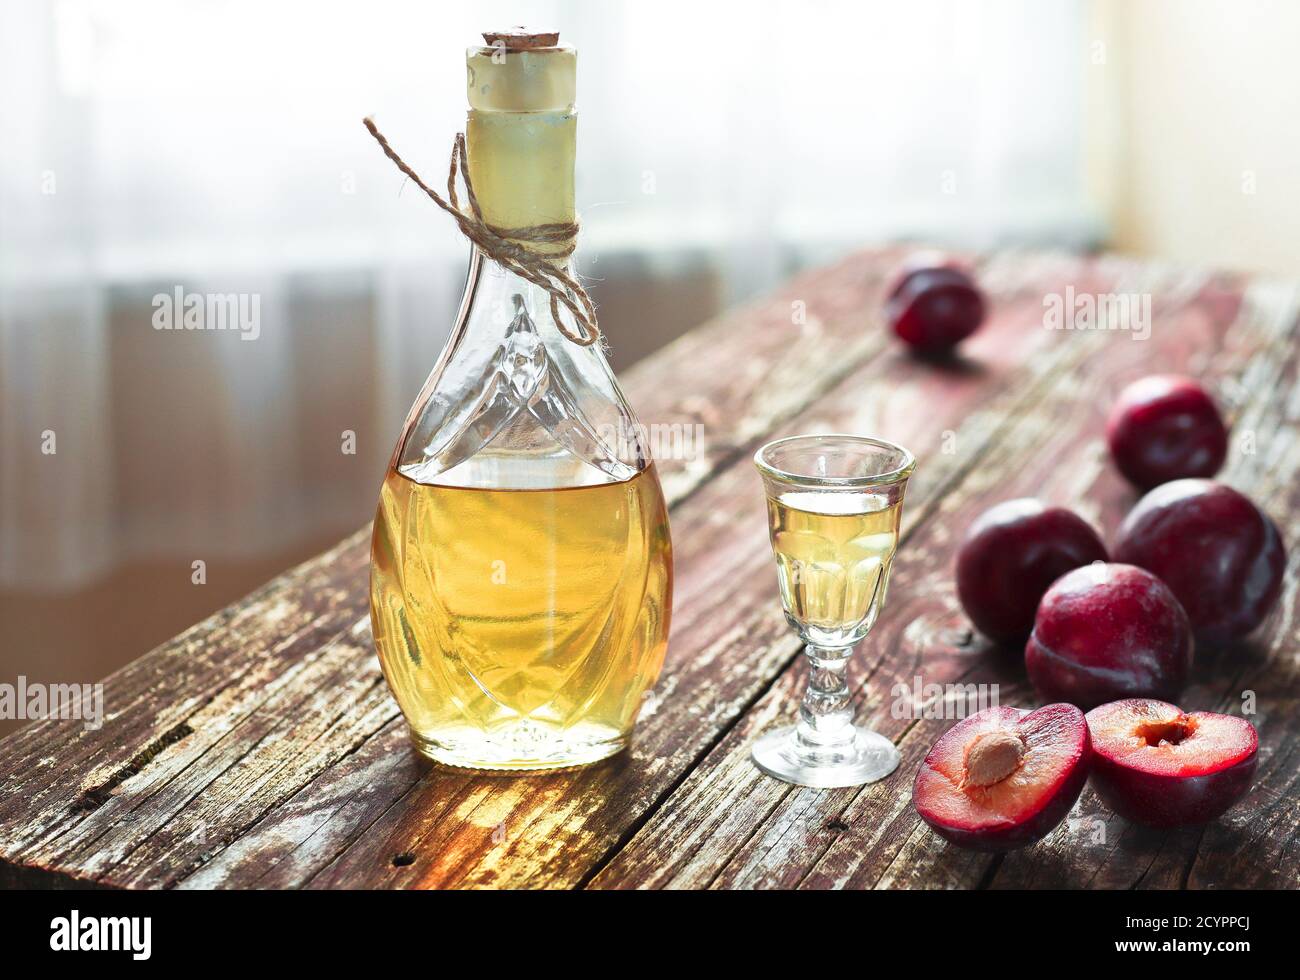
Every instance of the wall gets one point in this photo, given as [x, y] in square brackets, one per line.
[1194, 147]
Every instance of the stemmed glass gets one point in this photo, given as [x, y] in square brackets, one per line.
[833, 506]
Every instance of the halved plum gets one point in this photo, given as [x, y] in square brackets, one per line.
[1004, 777]
[1154, 764]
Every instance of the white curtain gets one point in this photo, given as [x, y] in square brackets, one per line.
[217, 146]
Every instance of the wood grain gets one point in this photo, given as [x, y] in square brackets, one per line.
[77, 804]
[871, 837]
[261, 749]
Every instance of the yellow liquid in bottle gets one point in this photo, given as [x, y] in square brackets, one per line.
[520, 628]
[833, 555]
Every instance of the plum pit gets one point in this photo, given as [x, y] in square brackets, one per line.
[993, 756]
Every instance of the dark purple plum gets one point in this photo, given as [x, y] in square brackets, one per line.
[1219, 553]
[1105, 632]
[1009, 557]
[1166, 427]
[934, 304]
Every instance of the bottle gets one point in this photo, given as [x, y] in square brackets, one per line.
[521, 565]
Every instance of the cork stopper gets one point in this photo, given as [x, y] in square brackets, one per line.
[521, 39]
[522, 70]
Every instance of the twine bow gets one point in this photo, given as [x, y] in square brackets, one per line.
[513, 248]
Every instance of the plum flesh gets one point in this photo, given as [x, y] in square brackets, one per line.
[1004, 778]
[1154, 764]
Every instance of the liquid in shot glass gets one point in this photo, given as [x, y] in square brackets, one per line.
[834, 505]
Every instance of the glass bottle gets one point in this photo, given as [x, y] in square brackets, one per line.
[521, 566]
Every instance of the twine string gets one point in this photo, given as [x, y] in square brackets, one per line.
[513, 248]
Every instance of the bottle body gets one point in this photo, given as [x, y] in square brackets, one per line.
[520, 628]
[521, 562]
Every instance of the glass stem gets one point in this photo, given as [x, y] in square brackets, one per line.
[826, 715]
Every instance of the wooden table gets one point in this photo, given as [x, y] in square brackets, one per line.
[261, 748]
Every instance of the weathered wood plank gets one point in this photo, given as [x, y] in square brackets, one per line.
[1254, 845]
[168, 710]
[411, 808]
[192, 706]
[729, 639]
[282, 762]
[871, 837]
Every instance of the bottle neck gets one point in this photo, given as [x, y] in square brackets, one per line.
[521, 134]
[522, 166]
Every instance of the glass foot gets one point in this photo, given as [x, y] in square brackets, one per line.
[787, 757]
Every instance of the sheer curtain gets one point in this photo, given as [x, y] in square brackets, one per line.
[217, 147]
